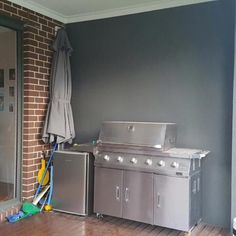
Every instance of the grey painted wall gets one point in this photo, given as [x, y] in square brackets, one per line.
[233, 167]
[172, 65]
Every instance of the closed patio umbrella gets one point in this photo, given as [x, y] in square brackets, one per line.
[59, 125]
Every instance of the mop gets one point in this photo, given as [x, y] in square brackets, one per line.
[28, 209]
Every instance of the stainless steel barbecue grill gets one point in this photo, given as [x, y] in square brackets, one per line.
[140, 175]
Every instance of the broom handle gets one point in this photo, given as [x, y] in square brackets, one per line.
[51, 186]
[45, 171]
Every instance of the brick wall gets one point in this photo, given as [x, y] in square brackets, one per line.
[37, 55]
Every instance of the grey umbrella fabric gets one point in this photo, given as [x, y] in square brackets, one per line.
[59, 124]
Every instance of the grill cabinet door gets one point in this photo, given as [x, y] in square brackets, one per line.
[171, 202]
[138, 196]
[108, 191]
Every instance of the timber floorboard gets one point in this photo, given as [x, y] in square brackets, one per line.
[58, 224]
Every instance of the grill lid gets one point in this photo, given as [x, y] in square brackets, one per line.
[161, 136]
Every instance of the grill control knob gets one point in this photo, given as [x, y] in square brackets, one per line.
[174, 164]
[106, 158]
[134, 160]
[148, 162]
[161, 163]
[120, 159]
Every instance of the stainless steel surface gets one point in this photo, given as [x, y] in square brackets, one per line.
[107, 200]
[73, 177]
[172, 152]
[171, 202]
[158, 135]
[154, 164]
[83, 147]
[160, 184]
[138, 196]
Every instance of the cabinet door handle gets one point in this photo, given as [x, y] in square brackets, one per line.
[126, 194]
[117, 193]
[158, 200]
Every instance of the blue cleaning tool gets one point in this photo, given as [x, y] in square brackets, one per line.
[44, 174]
[16, 217]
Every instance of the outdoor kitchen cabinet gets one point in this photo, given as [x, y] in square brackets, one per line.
[138, 196]
[141, 175]
[107, 191]
[122, 193]
[173, 197]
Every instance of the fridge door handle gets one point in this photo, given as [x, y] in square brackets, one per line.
[198, 184]
[194, 187]
[117, 193]
[126, 194]
[158, 200]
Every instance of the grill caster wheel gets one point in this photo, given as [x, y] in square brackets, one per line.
[99, 216]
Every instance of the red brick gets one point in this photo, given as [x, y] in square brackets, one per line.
[47, 29]
[43, 45]
[31, 42]
[31, 68]
[31, 55]
[29, 87]
[43, 70]
[30, 130]
[42, 21]
[28, 99]
[39, 63]
[43, 82]
[37, 58]
[28, 35]
[42, 58]
[28, 124]
[43, 106]
[30, 143]
[28, 136]
[40, 51]
[10, 9]
[29, 74]
[31, 93]
[30, 106]
[28, 48]
[39, 39]
[27, 175]
[5, 13]
[43, 94]
[28, 61]
[28, 112]
[38, 124]
[40, 112]
[39, 88]
[31, 81]
[38, 75]
[30, 118]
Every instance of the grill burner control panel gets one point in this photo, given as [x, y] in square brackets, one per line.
[156, 164]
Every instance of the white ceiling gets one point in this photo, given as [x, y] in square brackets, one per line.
[69, 11]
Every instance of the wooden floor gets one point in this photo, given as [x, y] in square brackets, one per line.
[57, 224]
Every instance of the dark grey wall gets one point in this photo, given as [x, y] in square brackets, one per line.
[172, 65]
[233, 166]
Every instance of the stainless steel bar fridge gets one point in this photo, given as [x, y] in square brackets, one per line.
[73, 182]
